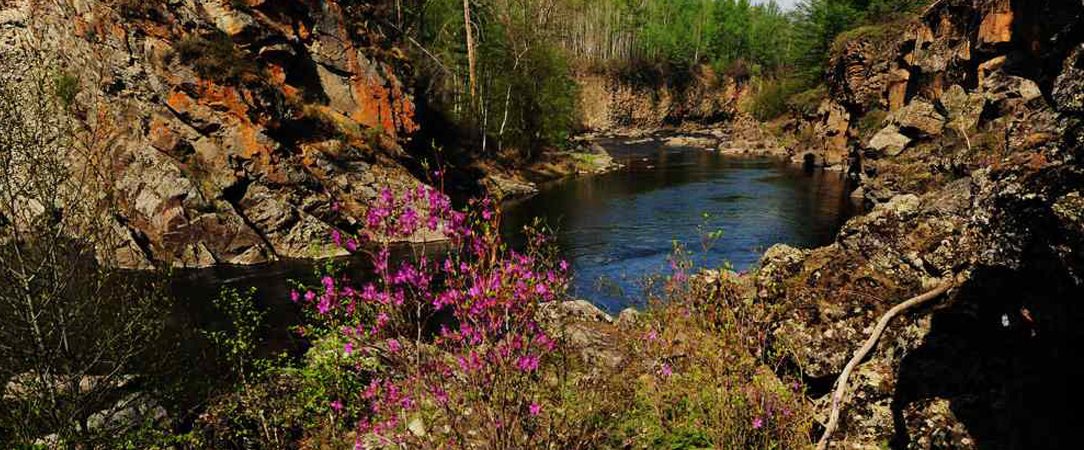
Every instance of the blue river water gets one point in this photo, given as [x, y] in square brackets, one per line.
[617, 228]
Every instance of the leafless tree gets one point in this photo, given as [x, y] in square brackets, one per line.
[74, 329]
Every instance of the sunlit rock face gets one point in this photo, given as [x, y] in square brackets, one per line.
[611, 102]
[247, 130]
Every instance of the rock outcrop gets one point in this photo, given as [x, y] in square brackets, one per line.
[254, 126]
[975, 172]
[613, 102]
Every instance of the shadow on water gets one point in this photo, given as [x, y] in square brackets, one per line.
[197, 289]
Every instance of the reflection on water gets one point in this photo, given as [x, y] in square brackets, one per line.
[616, 228]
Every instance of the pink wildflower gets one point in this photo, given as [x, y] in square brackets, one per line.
[337, 405]
[535, 409]
[757, 423]
[527, 363]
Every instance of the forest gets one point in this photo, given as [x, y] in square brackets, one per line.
[517, 58]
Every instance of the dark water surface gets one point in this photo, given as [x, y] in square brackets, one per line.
[616, 228]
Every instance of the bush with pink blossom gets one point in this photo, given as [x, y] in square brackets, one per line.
[467, 360]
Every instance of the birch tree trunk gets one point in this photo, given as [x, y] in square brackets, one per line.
[471, 58]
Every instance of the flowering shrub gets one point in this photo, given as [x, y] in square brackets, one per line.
[467, 358]
[462, 353]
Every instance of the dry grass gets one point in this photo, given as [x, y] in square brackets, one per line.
[702, 375]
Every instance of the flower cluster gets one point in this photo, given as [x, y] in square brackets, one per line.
[452, 329]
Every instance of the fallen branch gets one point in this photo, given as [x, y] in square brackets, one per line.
[841, 384]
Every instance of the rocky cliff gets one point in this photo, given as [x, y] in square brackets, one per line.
[251, 127]
[649, 99]
[963, 126]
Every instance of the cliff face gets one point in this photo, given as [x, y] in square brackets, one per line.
[965, 130]
[648, 102]
[251, 127]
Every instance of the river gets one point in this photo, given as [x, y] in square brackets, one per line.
[616, 228]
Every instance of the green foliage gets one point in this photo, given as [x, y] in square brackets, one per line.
[823, 22]
[676, 31]
[820, 21]
[279, 401]
[526, 98]
[329, 374]
[547, 105]
[807, 102]
[262, 406]
[215, 57]
[737, 69]
[872, 121]
[773, 96]
[877, 34]
[239, 342]
[66, 87]
[688, 32]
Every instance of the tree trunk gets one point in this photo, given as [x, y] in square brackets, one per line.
[472, 64]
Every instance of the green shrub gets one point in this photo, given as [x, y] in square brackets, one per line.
[738, 69]
[872, 121]
[772, 97]
[277, 402]
[877, 35]
[66, 88]
[807, 102]
[215, 57]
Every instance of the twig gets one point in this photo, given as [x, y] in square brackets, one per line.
[966, 137]
[933, 6]
[841, 384]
